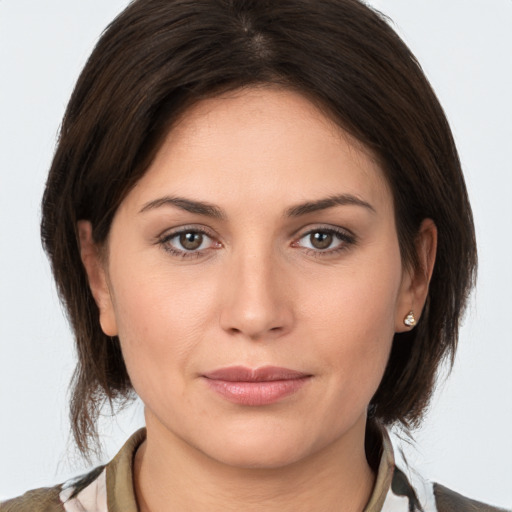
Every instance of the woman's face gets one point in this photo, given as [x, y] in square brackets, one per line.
[255, 282]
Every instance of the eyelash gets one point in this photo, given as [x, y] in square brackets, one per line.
[165, 240]
[346, 240]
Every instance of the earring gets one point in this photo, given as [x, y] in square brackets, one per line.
[410, 320]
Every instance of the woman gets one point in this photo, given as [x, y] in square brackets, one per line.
[243, 216]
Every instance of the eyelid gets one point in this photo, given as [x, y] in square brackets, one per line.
[329, 228]
[346, 237]
[170, 232]
[166, 236]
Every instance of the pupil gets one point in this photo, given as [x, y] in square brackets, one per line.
[191, 241]
[321, 240]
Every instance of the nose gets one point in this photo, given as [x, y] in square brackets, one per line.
[258, 301]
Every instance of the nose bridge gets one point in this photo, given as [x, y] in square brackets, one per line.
[256, 302]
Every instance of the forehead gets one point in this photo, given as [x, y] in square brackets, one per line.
[255, 142]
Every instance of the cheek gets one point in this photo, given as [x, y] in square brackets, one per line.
[358, 299]
[352, 318]
[160, 321]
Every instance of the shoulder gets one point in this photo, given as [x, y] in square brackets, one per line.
[38, 500]
[52, 499]
[451, 501]
[412, 492]
[87, 493]
[406, 490]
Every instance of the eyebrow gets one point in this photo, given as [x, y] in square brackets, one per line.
[328, 202]
[189, 205]
[211, 210]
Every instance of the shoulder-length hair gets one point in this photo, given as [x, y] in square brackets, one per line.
[158, 57]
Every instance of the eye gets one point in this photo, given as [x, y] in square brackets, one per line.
[191, 240]
[187, 242]
[326, 240]
[320, 239]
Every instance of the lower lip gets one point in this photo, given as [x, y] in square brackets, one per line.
[256, 393]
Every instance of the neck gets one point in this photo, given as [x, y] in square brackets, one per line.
[170, 474]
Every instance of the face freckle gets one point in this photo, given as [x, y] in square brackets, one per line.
[214, 263]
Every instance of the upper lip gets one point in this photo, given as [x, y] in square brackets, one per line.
[262, 374]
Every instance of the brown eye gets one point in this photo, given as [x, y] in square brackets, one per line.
[189, 243]
[326, 241]
[321, 239]
[191, 240]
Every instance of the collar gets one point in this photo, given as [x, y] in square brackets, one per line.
[113, 491]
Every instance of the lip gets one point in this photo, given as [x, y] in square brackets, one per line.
[253, 387]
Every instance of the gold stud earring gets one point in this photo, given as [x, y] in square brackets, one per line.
[410, 320]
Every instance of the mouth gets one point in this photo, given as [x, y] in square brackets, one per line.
[254, 387]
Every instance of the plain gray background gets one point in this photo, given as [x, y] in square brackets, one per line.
[465, 48]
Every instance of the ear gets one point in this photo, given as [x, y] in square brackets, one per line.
[96, 274]
[415, 281]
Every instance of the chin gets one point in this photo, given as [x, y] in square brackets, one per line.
[268, 444]
[258, 454]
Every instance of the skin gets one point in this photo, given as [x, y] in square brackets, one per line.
[257, 292]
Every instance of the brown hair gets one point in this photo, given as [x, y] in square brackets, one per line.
[160, 56]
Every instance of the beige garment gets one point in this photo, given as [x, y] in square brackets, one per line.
[110, 489]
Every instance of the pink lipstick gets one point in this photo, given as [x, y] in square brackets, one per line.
[261, 386]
